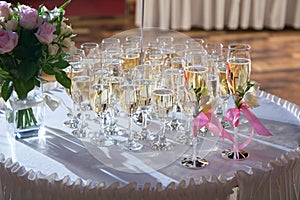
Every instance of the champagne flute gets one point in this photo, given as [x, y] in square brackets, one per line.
[130, 100]
[75, 69]
[99, 99]
[196, 57]
[172, 78]
[238, 74]
[162, 102]
[91, 54]
[80, 94]
[130, 55]
[195, 43]
[224, 93]
[143, 78]
[196, 79]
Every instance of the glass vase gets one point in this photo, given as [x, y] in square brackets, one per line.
[25, 116]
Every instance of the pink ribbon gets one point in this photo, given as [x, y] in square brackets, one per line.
[233, 115]
[211, 122]
[256, 124]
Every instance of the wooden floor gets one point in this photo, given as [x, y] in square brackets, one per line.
[275, 54]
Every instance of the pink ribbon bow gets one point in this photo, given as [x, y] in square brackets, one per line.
[233, 116]
[211, 122]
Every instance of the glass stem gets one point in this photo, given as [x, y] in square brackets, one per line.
[235, 144]
[130, 138]
[189, 129]
[101, 124]
[144, 122]
[194, 143]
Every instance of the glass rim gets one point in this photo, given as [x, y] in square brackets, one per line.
[239, 46]
[197, 69]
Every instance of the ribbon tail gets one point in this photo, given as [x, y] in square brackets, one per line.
[256, 124]
[242, 146]
[216, 127]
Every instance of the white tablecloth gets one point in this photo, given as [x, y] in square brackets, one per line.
[59, 165]
[219, 14]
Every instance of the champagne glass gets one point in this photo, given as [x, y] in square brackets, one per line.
[162, 102]
[196, 57]
[143, 78]
[179, 50]
[91, 54]
[196, 79]
[111, 47]
[214, 55]
[80, 94]
[184, 102]
[178, 63]
[165, 44]
[172, 78]
[195, 43]
[75, 69]
[130, 55]
[224, 93]
[99, 99]
[130, 100]
[238, 74]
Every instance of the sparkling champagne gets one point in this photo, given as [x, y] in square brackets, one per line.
[163, 101]
[213, 85]
[99, 97]
[224, 90]
[130, 98]
[146, 87]
[114, 83]
[238, 73]
[196, 76]
[130, 60]
[80, 89]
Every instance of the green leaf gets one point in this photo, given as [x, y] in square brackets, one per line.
[61, 64]
[28, 69]
[63, 79]
[65, 5]
[6, 90]
[4, 75]
[48, 69]
[23, 87]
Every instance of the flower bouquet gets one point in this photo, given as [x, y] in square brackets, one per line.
[32, 41]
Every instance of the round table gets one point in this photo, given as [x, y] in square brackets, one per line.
[58, 165]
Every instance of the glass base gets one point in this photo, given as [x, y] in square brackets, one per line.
[162, 145]
[196, 163]
[79, 133]
[230, 154]
[131, 146]
[103, 141]
[184, 139]
[71, 123]
[174, 125]
[114, 130]
[226, 124]
[144, 134]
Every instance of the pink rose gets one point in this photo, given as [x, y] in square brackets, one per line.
[5, 10]
[29, 18]
[45, 33]
[8, 41]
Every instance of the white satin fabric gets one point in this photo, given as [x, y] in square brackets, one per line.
[59, 166]
[219, 14]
